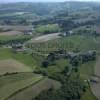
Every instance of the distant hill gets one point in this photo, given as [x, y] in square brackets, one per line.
[44, 8]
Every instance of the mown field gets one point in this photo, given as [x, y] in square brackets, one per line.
[88, 95]
[14, 37]
[16, 84]
[20, 28]
[86, 71]
[34, 90]
[11, 33]
[23, 58]
[57, 67]
[13, 83]
[11, 66]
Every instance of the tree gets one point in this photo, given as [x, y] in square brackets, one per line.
[45, 64]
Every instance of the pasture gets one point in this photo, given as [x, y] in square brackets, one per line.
[11, 33]
[87, 70]
[34, 90]
[32, 62]
[20, 28]
[11, 84]
[11, 66]
[27, 60]
[88, 95]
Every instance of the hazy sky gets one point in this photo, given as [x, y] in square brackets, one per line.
[42, 0]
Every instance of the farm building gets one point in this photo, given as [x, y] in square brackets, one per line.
[28, 32]
[18, 47]
[66, 33]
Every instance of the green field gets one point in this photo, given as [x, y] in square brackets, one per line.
[34, 90]
[58, 67]
[15, 37]
[13, 83]
[88, 95]
[23, 58]
[49, 28]
[34, 61]
[86, 70]
[82, 43]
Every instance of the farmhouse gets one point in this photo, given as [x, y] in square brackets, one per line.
[29, 32]
[18, 47]
[68, 33]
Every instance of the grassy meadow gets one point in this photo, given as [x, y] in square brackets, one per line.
[23, 58]
[34, 61]
[13, 83]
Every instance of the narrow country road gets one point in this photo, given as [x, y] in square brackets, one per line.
[45, 38]
[95, 86]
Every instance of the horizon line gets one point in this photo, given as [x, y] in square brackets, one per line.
[47, 1]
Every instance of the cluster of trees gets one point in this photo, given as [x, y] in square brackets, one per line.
[72, 86]
[49, 60]
[13, 20]
[75, 59]
[46, 29]
[82, 58]
[85, 32]
[70, 90]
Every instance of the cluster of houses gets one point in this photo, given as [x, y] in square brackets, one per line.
[65, 34]
[17, 47]
[29, 31]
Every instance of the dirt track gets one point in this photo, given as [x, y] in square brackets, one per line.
[17, 27]
[45, 38]
[95, 86]
[10, 33]
[96, 90]
[97, 67]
